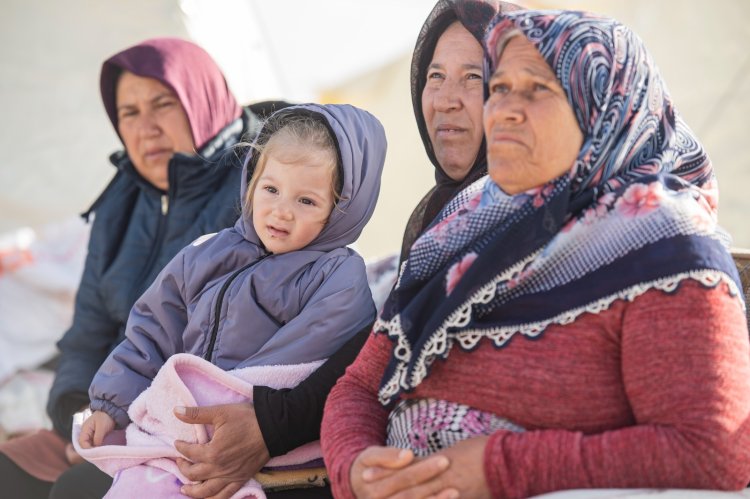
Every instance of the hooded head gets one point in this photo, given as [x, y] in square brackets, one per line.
[184, 68]
[360, 144]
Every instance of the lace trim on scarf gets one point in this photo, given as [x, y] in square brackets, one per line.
[441, 342]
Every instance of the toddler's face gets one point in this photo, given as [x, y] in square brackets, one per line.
[292, 201]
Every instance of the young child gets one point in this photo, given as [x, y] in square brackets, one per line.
[280, 287]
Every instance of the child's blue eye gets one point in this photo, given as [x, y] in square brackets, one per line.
[307, 201]
[271, 189]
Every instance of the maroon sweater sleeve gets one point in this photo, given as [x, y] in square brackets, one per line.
[353, 418]
[686, 373]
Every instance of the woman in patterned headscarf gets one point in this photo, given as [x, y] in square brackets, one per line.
[595, 236]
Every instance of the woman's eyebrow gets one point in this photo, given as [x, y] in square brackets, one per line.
[162, 96]
[474, 67]
[535, 72]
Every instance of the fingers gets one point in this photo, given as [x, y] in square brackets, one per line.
[228, 491]
[386, 457]
[431, 489]
[446, 494]
[98, 437]
[100, 431]
[210, 488]
[419, 479]
[193, 452]
[85, 439]
[198, 415]
[195, 471]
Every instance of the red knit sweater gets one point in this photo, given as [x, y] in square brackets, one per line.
[653, 393]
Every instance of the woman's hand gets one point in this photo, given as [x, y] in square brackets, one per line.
[233, 456]
[465, 475]
[94, 429]
[391, 472]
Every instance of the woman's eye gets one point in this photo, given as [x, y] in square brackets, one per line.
[434, 75]
[473, 76]
[499, 88]
[164, 103]
[539, 87]
[126, 114]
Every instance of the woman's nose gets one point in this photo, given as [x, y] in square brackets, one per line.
[508, 108]
[447, 97]
[147, 125]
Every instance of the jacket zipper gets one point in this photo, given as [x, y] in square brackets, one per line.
[217, 308]
[164, 204]
[161, 230]
[155, 249]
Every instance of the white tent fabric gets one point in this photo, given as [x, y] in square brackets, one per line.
[56, 138]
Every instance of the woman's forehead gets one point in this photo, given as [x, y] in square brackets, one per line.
[129, 85]
[520, 55]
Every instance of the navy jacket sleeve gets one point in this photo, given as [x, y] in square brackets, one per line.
[82, 349]
[289, 418]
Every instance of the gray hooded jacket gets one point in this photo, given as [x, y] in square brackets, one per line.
[226, 299]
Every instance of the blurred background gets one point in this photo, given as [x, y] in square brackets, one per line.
[55, 137]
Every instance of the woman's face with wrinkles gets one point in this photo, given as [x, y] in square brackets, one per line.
[153, 126]
[532, 133]
[452, 100]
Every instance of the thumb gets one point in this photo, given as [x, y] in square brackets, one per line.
[196, 415]
[387, 457]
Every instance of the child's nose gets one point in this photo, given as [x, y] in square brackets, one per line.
[283, 210]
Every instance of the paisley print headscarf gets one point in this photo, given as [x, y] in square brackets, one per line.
[637, 211]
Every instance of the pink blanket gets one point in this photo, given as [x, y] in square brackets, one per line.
[147, 462]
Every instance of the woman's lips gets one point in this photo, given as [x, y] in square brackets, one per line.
[449, 130]
[505, 137]
[157, 153]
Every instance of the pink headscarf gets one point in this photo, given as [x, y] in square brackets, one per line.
[185, 68]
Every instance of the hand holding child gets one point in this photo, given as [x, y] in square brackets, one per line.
[94, 429]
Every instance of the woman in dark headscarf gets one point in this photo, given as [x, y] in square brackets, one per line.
[459, 159]
[581, 300]
[175, 180]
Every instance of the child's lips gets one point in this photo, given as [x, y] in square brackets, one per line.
[277, 232]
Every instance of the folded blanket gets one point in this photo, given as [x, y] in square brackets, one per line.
[147, 462]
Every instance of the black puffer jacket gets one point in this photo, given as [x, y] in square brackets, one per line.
[137, 229]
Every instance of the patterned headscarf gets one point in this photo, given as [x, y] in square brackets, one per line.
[474, 15]
[636, 211]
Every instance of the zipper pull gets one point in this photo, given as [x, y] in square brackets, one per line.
[164, 204]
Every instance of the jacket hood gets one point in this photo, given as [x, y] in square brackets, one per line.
[185, 68]
[361, 143]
